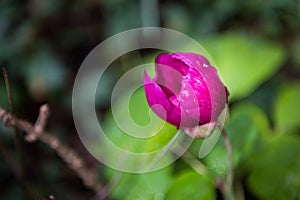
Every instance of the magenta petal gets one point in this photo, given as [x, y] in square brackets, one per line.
[156, 96]
[192, 60]
[168, 60]
[190, 108]
[169, 78]
[210, 91]
[188, 88]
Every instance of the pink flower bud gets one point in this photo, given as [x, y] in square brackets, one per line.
[187, 89]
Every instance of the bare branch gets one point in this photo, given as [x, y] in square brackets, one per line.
[39, 124]
[17, 143]
[11, 103]
[72, 159]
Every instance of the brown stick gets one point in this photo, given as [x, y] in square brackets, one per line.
[39, 124]
[11, 105]
[10, 99]
[71, 158]
[17, 143]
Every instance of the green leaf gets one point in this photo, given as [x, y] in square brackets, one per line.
[141, 186]
[139, 109]
[44, 73]
[287, 108]
[248, 129]
[244, 61]
[192, 186]
[296, 52]
[276, 172]
[217, 160]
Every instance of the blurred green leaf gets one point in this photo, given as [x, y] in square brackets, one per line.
[139, 109]
[141, 186]
[287, 108]
[43, 8]
[296, 52]
[44, 73]
[176, 16]
[276, 171]
[244, 61]
[217, 160]
[118, 9]
[7, 13]
[248, 128]
[193, 186]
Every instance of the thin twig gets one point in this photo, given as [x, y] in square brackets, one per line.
[17, 142]
[71, 158]
[228, 190]
[39, 124]
[11, 103]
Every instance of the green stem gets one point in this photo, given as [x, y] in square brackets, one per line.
[228, 187]
[166, 149]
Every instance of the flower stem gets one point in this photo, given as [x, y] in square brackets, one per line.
[228, 187]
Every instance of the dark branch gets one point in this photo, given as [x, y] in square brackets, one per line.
[72, 159]
[17, 143]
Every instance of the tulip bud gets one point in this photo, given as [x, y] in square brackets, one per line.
[188, 88]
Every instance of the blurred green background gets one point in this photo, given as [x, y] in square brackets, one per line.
[255, 44]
